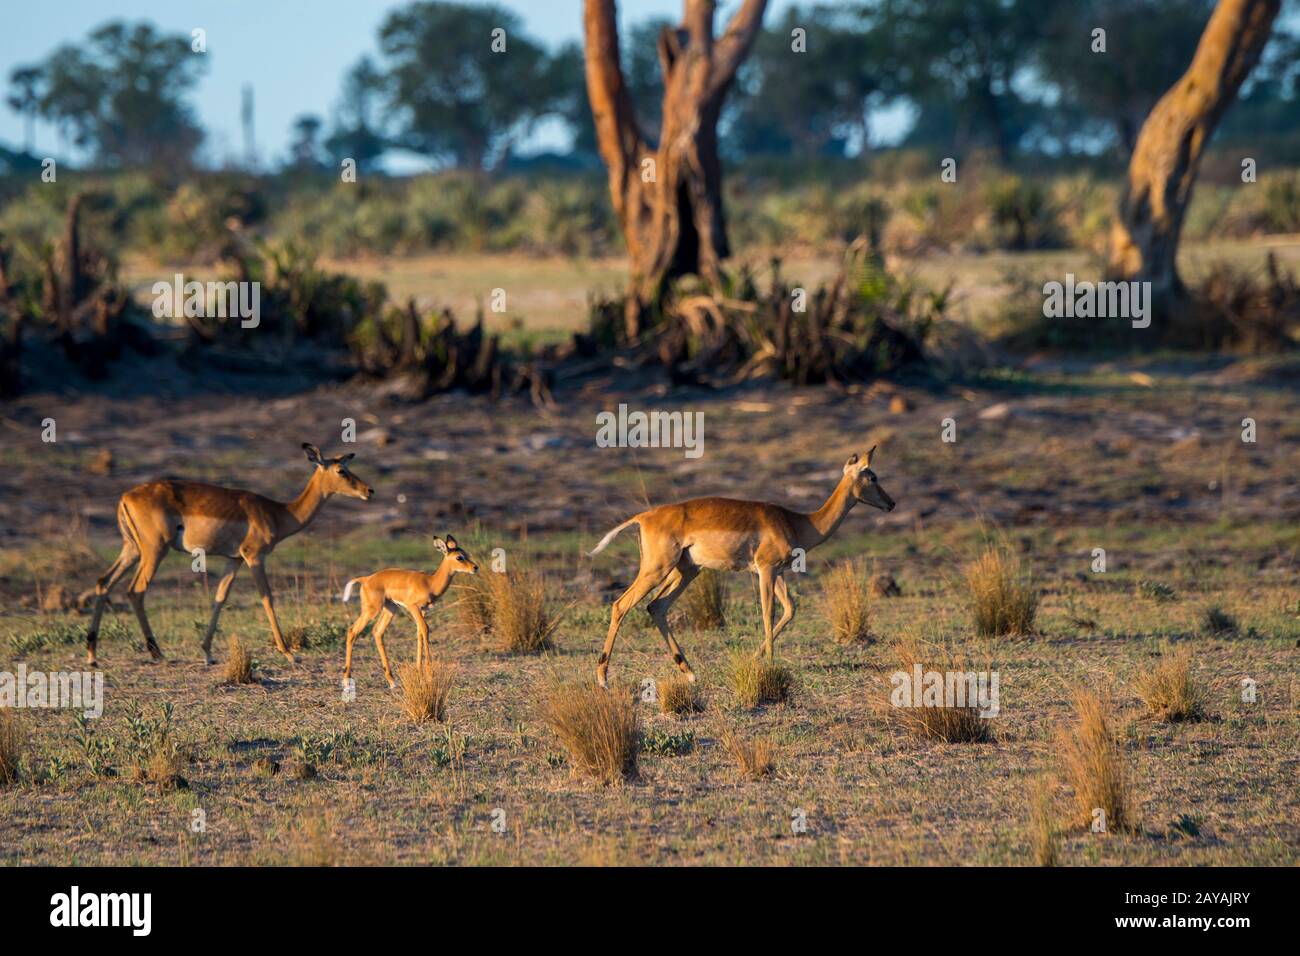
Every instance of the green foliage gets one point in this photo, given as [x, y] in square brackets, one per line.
[667, 743]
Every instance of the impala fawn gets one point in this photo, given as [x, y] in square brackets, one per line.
[240, 526]
[385, 591]
[728, 535]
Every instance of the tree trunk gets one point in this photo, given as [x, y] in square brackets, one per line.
[668, 200]
[1167, 156]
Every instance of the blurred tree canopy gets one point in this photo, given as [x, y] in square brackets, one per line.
[466, 83]
[121, 94]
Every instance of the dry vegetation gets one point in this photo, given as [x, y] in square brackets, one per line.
[13, 740]
[425, 689]
[754, 757]
[958, 723]
[510, 610]
[756, 680]
[846, 602]
[679, 696]
[596, 727]
[239, 663]
[704, 604]
[1096, 768]
[1168, 689]
[1002, 594]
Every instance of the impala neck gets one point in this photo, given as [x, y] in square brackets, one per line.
[440, 580]
[302, 509]
[826, 519]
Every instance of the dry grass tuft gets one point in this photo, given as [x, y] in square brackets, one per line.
[1002, 594]
[425, 689]
[13, 743]
[757, 680]
[597, 728]
[1168, 690]
[1094, 766]
[314, 841]
[934, 719]
[1043, 835]
[846, 602]
[704, 603]
[679, 696]
[753, 757]
[239, 665]
[509, 611]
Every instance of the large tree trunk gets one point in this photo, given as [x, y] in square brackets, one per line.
[668, 200]
[1167, 156]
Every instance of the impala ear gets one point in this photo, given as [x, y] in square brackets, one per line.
[440, 544]
[349, 456]
[867, 463]
[313, 453]
[451, 544]
[852, 464]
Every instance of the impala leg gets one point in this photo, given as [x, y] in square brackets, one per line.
[368, 614]
[646, 581]
[766, 587]
[782, 593]
[218, 601]
[264, 589]
[422, 649]
[385, 619]
[149, 562]
[128, 557]
[678, 581]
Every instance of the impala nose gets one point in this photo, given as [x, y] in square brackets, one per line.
[370, 493]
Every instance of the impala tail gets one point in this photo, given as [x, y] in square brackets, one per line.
[347, 590]
[604, 542]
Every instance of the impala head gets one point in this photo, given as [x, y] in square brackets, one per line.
[461, 562]
[866, 488]
[335, 477]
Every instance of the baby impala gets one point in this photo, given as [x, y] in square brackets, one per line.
[385, 591]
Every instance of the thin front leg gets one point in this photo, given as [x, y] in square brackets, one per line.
[787, 609]
[264, 589]
[218, 601]
[765, 590]
[422, 649]
[382, 625]
[645, 582]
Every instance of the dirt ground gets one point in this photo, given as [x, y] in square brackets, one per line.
[1143, 459]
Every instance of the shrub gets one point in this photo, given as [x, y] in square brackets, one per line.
[1217, 622]
[509, 611]
[846, 602]
[1001, 592]
[596, 727]
[239, 663]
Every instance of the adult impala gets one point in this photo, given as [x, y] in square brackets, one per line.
[729, 535]
[240, 526]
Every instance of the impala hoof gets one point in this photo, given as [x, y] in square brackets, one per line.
[690, 677]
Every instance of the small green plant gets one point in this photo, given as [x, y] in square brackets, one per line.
[1157, 591]
[450, 750]
[96, 752]
[666, 743]
[66, 634]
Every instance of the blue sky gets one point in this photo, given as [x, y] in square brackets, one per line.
[293, 52]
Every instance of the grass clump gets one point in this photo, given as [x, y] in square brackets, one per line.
[756, 680]
[425, 689]
[239, 664]
[754, 757]
[1168, 690]
[679, 696]
[509, 611]
[1156, 591]
[1044, 838]
[1095, 768]
[597, 729]
[13, 744]
[704, 603]
[949, 708]
[1001, 592]
[1217, 622]
[846, 602]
